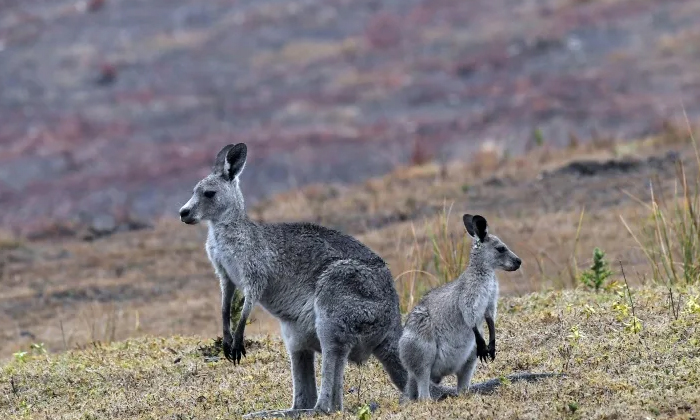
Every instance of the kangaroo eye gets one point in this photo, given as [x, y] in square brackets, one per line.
[501, 249]
[209, 194]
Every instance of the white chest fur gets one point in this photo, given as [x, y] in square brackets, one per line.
[224, 261]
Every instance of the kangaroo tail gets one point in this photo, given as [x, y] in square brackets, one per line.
[489, 386]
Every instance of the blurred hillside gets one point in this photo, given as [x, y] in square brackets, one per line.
[116, 107]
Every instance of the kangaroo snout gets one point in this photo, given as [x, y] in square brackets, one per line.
[186, 216]
[516, 264]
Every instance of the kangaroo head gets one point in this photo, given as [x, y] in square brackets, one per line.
[488, 250]
[218, 194]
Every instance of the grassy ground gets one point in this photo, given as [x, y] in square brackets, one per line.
[159, 281]
[614, 370]
[623, 356]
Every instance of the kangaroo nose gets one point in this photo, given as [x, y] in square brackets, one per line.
[518, 262]
[184, 212]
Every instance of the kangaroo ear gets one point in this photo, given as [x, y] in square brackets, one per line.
[476, 226]
[235, 160]
[480, 227]
[230, 161]
[220, 160]
[468, 223]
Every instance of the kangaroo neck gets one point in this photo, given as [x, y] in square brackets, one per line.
[233, 222]
[477, 270]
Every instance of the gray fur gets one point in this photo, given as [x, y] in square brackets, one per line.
[331, 294]
[441, 335]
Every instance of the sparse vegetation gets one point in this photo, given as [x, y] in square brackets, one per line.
[34, 350]
[670, 239]
[610, 372]
[450, 252]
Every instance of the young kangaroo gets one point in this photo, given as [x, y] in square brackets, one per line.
[331, 294]
[441, 335]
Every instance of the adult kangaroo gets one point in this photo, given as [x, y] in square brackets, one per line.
[331, 294]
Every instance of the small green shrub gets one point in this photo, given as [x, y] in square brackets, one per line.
[596, 276]
[538, 137]
[364, 413]
[38, 348]
[20, 356]
[236, 308]
[573, 406]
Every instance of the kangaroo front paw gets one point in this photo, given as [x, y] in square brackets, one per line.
[234, 349]
[492, 350]
[228, 348]
[482, 351]
[238, 350]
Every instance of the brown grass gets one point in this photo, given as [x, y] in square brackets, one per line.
[431, 183]
[612, 371]
[160, 282]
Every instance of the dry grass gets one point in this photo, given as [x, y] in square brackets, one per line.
[612, 371]
[159, 281]
[410, 187]
[554, 248]
[149, 282]
[9, 241]
[671, 239]
[435, 258]
[305, 52]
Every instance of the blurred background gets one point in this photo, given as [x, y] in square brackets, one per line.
[111, 110]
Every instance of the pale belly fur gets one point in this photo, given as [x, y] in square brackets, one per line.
[452, 354]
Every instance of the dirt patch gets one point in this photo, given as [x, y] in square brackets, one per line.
[615, 167]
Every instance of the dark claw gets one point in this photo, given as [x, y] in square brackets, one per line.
[238, 351]
[482, 351]
[228, 350]
[233, 350]
[492, 350]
